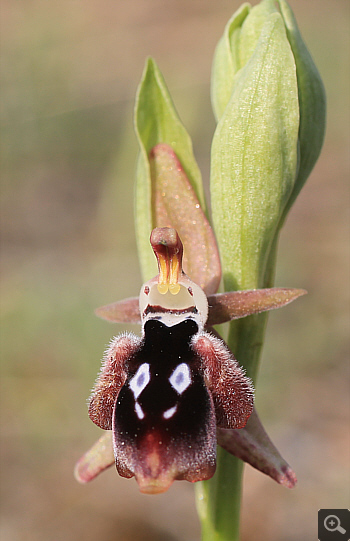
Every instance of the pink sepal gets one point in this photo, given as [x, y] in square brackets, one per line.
[252, 445]
[98, 458]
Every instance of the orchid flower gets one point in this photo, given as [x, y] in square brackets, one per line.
[168, 397]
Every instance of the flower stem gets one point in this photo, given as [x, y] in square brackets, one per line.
[219, 499]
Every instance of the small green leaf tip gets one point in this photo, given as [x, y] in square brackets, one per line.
[156, 121]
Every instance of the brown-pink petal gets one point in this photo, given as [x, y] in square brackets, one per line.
[125, 311]
[99, 457]
[176, 205]
[253, 445]
[236, 304]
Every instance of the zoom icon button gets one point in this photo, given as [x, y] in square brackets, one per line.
[334, 525]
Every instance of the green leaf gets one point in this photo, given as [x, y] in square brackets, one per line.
[156, 121]
[254, 158]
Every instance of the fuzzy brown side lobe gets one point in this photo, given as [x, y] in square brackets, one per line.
[111, 379]
[231, 389]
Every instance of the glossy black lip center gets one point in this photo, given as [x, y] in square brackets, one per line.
[159, 336]
[165, 389]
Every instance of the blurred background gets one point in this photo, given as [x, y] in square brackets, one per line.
[70, 70]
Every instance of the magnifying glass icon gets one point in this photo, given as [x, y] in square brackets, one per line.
[332, 524]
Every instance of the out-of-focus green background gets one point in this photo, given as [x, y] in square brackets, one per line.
[69, 74]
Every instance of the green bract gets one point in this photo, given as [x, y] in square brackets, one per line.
[156, 121]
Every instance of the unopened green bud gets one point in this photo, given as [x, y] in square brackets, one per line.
[255, 158]
[269, 101]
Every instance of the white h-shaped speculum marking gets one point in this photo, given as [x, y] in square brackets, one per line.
[180, 380]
